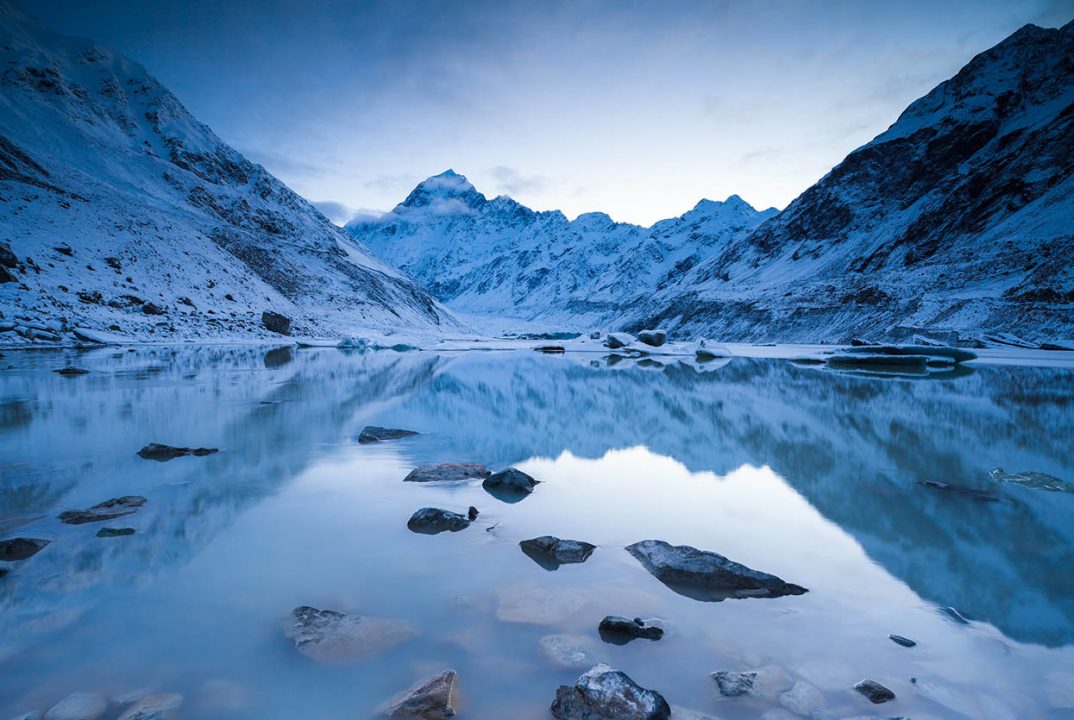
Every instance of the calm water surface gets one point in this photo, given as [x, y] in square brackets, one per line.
[806, 473]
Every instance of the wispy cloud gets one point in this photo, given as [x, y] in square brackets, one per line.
[512, 182]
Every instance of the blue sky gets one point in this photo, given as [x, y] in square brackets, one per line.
[638, 109]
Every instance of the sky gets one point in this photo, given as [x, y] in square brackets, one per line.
[637, 109]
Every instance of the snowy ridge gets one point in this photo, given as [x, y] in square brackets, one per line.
[956, 220]
[500, 257]
[112, 197]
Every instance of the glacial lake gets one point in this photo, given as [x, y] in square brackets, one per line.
[820, 477]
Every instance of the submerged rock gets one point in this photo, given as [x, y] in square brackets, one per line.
[153, 707]
[71, 371]
[620, 630]
[107, 510]
[330, 637]
[734, 684]
[551, 349]
[1032, 479]
[705, 575]
[78, 706]
[956, 355]
[510, 485]
[568, 651]
[114, 532]
[604, 693]
[163, 453]
[374, 433]
[653, 338]
[428, 699]
[963, 490]
[874, 691]
[900, 640]
[431, 521]
[538, 605]
[614, 341]
[21, 548]
[447, 472]
[803, 699]
[550, 552]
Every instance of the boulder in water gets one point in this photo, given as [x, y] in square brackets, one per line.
[163, 453]
[550, 552]
[431, 521]
[107, 510]
[447, 472]
[71, 371]
[705, 575]
[429, 699]
[510, 485]
[374, 433]
[874, 691]
[604, 693]
[21, 548]
[614, 341]
[620, 630]
[652, 338]
[568, 651]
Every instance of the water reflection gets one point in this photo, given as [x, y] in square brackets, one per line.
[853, 449]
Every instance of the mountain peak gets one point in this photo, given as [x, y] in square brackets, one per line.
[448, 193]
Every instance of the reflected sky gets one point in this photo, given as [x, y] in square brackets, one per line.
[808, 474]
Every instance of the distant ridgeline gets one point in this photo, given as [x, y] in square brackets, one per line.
[957, 222]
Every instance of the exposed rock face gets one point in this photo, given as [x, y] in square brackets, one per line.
[78, 706]
[431, 521]
[620, 630]
[374, 433]
[706, 575]
[510, 485]
[163, 453]
[603, 693]
[952, 220]
[447, 472]
[332, 637]
[21, 548]
[107, 510]
[874, 691]
[275, 322]
[153, 707]
[550, 552]
[429, 699]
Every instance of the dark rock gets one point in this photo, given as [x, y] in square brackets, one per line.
[963, 490]
[856, 342]
[620, 630]
[4, 571]
[472, 513]
[275, 322]
[653, 338]
[603, 693]
[151, 309]
[430, 521]
[65, 250]
[114, 532]
[71, 371]
[108, 510]
[447, 472]
[550, 552]
[429, 699]
[8, 259]
[509, 485]
[614, 341]
[6, 275]
[278, 357]
[595, 335]
[329, 636]
[163, 453]
[957, 355]
[705, 575]
[874, 691]
[374, 433]
[1055, 347]
[734, 684]
[900, 640]
[21, 548]
[113, 263]
[550, 349]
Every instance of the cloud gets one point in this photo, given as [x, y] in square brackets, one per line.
[281, 164]
[337, 212]
[511, 182]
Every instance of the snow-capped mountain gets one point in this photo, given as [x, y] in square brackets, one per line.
[121, 211]
[958, 219]
[500, 257]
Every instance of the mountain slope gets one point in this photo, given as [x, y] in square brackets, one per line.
[958, 218]
[499, 257]
[123, 211]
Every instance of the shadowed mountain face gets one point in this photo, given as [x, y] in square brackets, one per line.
[121, 209]
[857, 448]
[957, 218]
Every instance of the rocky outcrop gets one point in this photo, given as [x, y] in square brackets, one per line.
[21, 548]
[107, 510]
[276, 322]
[603, 693]
[707, 575]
